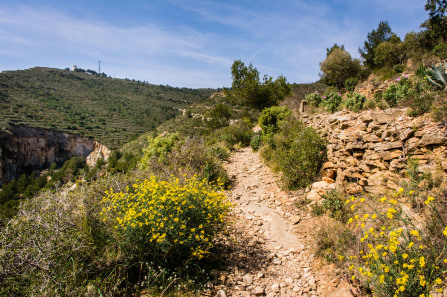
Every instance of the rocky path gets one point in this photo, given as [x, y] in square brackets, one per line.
[271, 253]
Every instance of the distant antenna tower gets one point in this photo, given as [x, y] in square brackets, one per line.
[99, 67]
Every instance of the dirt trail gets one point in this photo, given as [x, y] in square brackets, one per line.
[273, 255]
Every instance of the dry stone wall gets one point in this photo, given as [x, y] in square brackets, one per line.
[369, 151]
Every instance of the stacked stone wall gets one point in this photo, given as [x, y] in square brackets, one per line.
[369, 151]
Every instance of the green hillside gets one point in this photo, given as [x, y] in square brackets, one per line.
[108, 109]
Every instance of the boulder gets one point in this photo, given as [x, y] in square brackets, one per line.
[366, 117]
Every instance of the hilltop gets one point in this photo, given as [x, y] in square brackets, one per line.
[108, 109]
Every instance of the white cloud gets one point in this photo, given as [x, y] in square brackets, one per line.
[287, 37]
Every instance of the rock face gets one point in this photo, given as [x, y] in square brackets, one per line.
[23, 148]
[369, 150]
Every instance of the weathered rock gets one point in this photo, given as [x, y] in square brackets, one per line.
[313, 196]
[371, 138]
[406, 134]
[366, 117]
[276, 287]
[259, 291]
[247, 279]
[353, 189]
[432, 139]
[295, 219]
[384, 146]
[328, 180]
[24, 147]
[356, 146]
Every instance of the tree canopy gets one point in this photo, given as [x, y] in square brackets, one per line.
[247, 88]
[438, 20]
[374, 38]
[338, 67]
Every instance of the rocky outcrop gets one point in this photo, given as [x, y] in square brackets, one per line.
[369, 151]
[25, 148]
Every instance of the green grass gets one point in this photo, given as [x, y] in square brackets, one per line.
[108, 109]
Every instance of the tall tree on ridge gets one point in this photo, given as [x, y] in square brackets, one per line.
[374, 38]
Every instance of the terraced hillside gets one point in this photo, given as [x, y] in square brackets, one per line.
[108, 109]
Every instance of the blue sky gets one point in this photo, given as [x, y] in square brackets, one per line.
[186, 43]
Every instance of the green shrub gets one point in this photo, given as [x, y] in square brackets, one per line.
[355, 102]
[439, 109]
[333, 203]
[218, 117]
[240, 133]
[351, 83]
[317, 209]
[188, 158]
[331, 100]
[440, 50]
[421, 104]
[219, 152]
[398, 68]
[57, 245]
[158, 147]
[270, 119]
[297, 152]
[398, 92]
[313, 99]
[389, 95]
[166, 222]
[256, 140]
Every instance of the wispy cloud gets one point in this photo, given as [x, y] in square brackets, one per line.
[196, 47]
[44, 31]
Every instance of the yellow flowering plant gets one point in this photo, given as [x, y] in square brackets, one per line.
[168, 223]
[397, 255]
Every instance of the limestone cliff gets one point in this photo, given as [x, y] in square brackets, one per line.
[23, 148]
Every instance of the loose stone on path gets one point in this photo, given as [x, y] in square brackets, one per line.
[270, 257]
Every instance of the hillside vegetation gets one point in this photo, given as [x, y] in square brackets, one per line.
[110, 110]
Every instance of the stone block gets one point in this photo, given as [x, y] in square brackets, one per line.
[432, 139]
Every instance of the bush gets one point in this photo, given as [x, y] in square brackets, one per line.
[397, 92]
[355, 102]
[166, 222]
[158, 147]
[421, 104]
[270, 119]
[219, 152]
[248, 90]
[313, 99]
[398, 68]
[62, 243]
[397, 254]
[331, 100]
[58, 246]
[351, 83]
[440, 50]
[331, 238]
[297, 152]
[439, 109]
[239, 133]
[256, 140]
[333, 203]
[218, 117]
[389, 95]
[189, 157]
